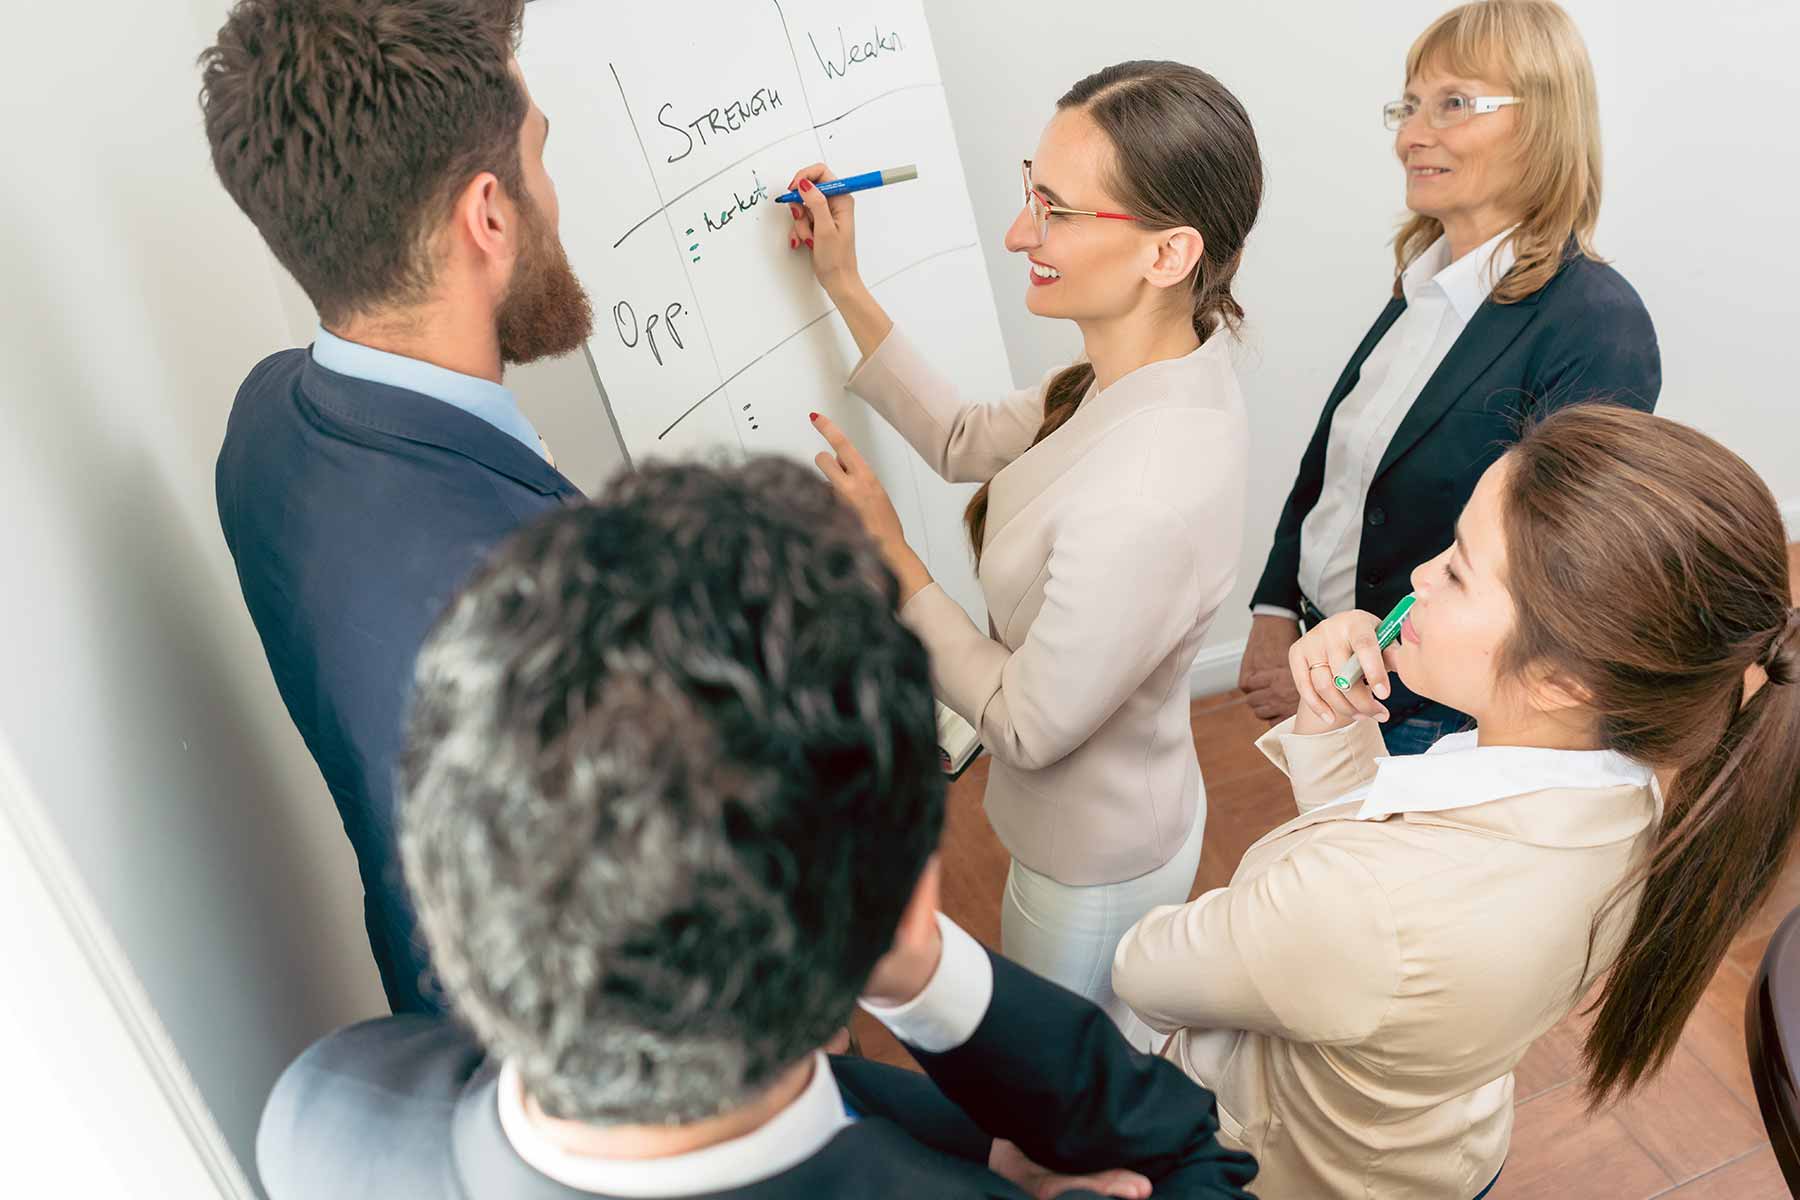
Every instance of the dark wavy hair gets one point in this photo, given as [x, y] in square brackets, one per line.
[671, 777]
[344, 130]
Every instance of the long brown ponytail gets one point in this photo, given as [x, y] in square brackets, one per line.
[1649, 565]
[1184, 153]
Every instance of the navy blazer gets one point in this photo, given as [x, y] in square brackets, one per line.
[354, 510]
[406, 1106]
[1584, 335]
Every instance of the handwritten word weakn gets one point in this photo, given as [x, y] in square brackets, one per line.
[719, 121]
[851, 53]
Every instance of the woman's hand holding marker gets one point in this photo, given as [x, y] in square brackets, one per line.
[825, 226]
[1339, 639]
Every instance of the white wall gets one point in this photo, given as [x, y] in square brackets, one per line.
[1701, 176]
[1704, 175]
[91, 1061]
[134, 689]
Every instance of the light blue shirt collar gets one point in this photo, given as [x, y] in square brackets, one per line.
[478, 397]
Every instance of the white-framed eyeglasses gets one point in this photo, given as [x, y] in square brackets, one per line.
[1451, 108]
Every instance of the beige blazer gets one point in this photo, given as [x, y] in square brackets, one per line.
[1358, 996]
[1110, 546]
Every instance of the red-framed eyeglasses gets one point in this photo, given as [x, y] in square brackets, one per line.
[1042, 209]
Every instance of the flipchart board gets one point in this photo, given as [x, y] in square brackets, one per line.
[673, 127]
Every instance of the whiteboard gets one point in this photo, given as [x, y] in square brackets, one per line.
[673, 126]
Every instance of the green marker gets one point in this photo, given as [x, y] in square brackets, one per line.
[1385, 635]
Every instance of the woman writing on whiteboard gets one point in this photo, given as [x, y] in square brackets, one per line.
[1108, 526]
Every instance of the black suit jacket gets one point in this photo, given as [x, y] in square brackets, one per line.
[353, 511]
[1585, 335]
[407, 1106]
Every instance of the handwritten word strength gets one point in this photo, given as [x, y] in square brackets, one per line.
[718, 122]
[850, 54]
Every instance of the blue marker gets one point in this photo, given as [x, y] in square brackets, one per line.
[856, 183]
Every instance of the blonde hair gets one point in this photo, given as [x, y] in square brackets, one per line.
[1535, 48]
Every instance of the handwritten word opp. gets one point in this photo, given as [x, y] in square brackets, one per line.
[625, 320]
[852, 53]
[719, 121]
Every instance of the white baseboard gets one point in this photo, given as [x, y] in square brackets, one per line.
[1216, 669]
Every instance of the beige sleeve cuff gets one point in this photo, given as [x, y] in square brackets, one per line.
[1324, 767]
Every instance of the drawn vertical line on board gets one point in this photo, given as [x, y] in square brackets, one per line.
[699, 310]
[914, 463]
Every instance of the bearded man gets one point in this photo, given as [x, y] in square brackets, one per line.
[392, 158]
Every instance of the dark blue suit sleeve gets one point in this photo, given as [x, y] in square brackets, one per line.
[1050, 1072]
[1603, 350]
[913, 1102]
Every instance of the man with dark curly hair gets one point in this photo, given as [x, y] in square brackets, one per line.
[671, 804]
[392, 158]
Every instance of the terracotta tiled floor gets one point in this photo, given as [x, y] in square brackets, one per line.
[1692, 1134]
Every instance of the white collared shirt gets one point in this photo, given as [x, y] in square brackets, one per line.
[1441, 298]
[942, 1017]
[1458, 773]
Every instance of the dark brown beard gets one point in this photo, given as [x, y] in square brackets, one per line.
[546, 311]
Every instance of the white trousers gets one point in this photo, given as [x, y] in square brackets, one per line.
[1068, 934]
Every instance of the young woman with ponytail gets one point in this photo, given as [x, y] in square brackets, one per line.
[1107, 530]
[1616, 609]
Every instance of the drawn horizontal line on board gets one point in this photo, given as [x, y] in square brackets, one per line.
[790, 337]
[872, 99]
[673, 200]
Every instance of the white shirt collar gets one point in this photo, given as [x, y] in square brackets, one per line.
[794, 1135]
[1469, 280]
[1457, 773]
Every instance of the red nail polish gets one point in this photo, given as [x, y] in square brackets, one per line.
[793, 243]
[806, 185]
[809, 243]
[796, 210]
[812, 416]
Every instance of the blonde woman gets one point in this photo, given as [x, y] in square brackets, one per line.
[1501, 308]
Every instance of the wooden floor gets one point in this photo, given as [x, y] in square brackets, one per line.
[1691, 1134]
